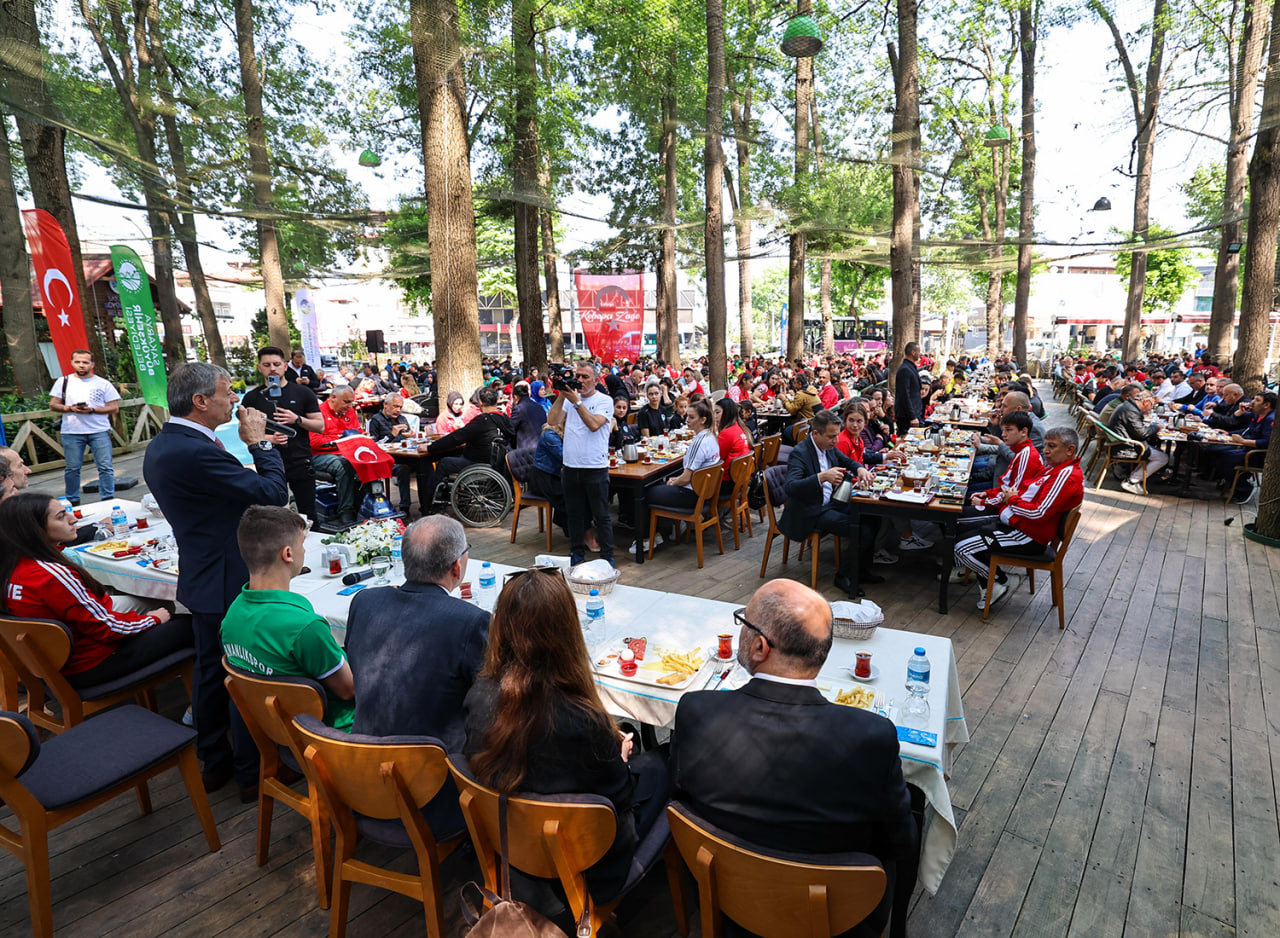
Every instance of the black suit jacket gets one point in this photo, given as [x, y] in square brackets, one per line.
[414, 652]
[781, 767]
[203, 490]
[804, 491]
[906, 390]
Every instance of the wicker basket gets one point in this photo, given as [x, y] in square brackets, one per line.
[857, 631]
[579, 585]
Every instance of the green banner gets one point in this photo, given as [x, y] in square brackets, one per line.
[140, 320]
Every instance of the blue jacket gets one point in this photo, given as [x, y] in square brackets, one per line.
[549, 456]
[203, 490]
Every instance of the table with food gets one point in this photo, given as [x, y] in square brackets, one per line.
[636, 466]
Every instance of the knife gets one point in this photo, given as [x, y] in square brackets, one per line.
[722, 678]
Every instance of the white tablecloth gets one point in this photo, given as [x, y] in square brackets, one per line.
[677, 621]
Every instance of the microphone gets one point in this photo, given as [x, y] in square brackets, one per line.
[273, 427]
[351, 579]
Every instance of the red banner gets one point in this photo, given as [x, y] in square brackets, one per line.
[56, 279]
[611, 308]
[370, 460]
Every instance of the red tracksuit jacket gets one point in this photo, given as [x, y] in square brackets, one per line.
[1038, 511]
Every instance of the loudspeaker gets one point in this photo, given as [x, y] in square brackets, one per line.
[374, 342]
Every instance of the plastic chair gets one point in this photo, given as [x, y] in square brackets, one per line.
[556, 837]
[740, 471]
[268, 706]
[46, 785]
[775, 497]
[516, 467]
[376, 787]
[1051, 561]
[42, 646]
[706, 485]
[775, 895]
[1250, 467]
[1114, 444]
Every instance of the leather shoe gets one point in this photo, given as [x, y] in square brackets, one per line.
[215, 778]
[844, 582]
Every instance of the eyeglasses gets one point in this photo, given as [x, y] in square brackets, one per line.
[741, 619]
[466, 549]
[541, 568]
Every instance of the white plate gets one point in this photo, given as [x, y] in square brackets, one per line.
[875, 673]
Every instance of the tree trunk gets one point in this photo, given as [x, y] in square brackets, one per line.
[1260, 269]
[740, 111]
[824, 279]
[906, 143]
[666, 314]
[524, 172]
[994, 233]
[451, 225]
[713, 231]
[795, 270]
[41, 131]
[1028, 21]
[1241, 84]
[15, 280]
[549, 272]
[260, 175]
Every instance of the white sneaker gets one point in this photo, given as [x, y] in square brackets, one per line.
[1133, 488]
[914, 542]
[644, 545]
[957, 576]
[882, 556]
[998, 592]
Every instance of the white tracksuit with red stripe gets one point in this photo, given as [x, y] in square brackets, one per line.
[42, 590]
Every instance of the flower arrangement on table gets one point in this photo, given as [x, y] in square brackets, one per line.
[369, 539]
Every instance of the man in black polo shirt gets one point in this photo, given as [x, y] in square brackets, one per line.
[293, 405]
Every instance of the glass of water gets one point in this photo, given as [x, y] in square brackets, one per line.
[380, 564]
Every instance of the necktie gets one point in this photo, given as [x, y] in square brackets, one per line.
[218, 443]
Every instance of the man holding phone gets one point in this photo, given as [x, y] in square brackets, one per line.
[291, 404]
[86, 403]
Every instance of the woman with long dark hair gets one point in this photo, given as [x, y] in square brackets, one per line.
[535, 722]
[733, 437]
[40, 583]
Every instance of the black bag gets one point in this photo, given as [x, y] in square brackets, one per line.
[755, 490]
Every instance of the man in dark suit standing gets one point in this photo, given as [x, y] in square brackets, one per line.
[909, 403]
[776, 764]
[415, 651]
[814, 469]
[203, 490]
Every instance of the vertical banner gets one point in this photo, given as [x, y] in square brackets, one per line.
[140, 322]
[307, 326]
[611, 308]
[56, 277]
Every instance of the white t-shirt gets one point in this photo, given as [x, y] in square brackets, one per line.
[703, 451]
[584, 448]
[94, 391]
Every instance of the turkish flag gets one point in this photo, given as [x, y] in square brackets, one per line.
[611, 310]
[56, 278]
[370, 460]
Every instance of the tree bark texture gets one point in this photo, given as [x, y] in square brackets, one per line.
[713, 231]
[260, 176]
[442, 106]
[524, 171]
[740, 112]
[906, 146]
[15, 281]
[993, 229]
[43, 139]
[1028, 22]
[795, 269]
[666, 315]
[555, 321]
[1242, 80]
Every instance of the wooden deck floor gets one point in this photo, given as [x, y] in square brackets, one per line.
[1120, 778]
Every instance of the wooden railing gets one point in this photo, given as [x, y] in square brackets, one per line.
[131, 429]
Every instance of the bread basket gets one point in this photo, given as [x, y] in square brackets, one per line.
[585, 586]
[860, 629]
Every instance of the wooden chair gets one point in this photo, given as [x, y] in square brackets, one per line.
[1051, 561]
[376, 789]
[1250, 467]
[800, 433]
[46, 785]
[776, 896]
[774, 497]
[10, 678]
[740, 471]
[771, 446]
[1112, 444]
[557, 837]
[706, 485]
[268, 706]
[42, 646]
[523, 500]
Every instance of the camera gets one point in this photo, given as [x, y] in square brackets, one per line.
[562, 379]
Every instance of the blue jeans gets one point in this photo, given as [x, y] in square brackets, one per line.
[100, 444]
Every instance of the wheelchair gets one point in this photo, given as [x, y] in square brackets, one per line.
[480, 495]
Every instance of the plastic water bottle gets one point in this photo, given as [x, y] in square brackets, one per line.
[915, 711]
[594, 632]
[119, 521]
[488, 585]
[397, 559]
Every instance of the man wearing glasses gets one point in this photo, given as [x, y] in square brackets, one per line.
[778, 765]
[585, 414]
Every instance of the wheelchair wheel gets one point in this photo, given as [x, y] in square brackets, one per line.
[480, 497]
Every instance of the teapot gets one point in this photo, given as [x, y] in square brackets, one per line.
[336, 559]
[631, 452]
[844, 491]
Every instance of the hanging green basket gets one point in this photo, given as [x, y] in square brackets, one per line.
[997, 136]
[369, 158]
[803, 38]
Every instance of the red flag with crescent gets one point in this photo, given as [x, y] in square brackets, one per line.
[611, 310]
[56, 279]
[370, 460]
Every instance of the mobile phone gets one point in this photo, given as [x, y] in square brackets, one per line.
[273, 386]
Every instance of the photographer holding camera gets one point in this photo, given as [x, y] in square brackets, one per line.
[585, 413]
[295, 405]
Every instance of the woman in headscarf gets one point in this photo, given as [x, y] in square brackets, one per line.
[450, 418]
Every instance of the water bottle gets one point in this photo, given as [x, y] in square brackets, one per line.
[594, 632]
[66, 505]
[915, 711]
[119, 521]
[488, 583]
[397, 559]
